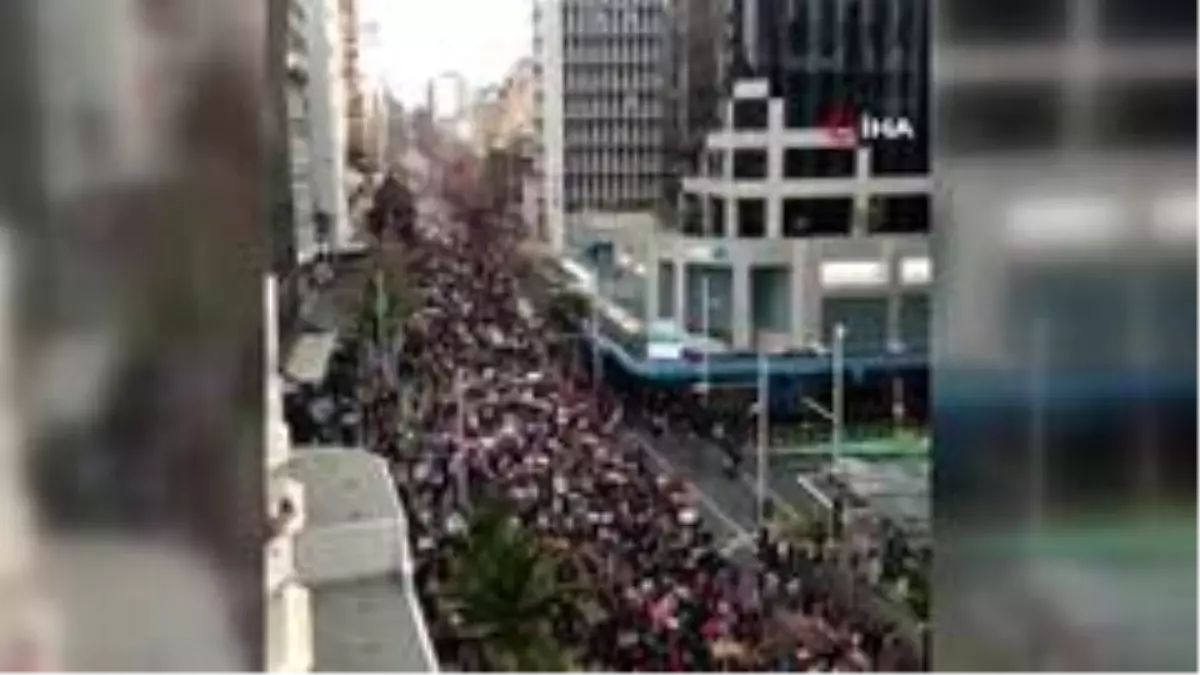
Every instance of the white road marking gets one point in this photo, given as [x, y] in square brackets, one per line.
[813, 490]
[752, 482]
[708, 501]
[736, 543]
[779, 501]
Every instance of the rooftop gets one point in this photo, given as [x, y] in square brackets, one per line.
[372, 624]
[344, 485]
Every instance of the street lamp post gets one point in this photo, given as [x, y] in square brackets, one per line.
[839, 385]
[706, 329]
[896, 347]
[597, 365]
[763, 438]
[463, 480]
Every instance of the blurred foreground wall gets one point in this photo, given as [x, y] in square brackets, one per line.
[134, 132]
[1065, 318]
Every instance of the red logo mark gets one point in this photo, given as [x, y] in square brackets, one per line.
[840, 126]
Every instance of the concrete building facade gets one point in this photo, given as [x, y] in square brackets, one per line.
[327, 109]
[701, 39]
[356, 104]
[763, 246]
[602, 72]
[810, 207]
[300, 132]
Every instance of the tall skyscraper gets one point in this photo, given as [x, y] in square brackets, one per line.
[327, 111]
[602, 75]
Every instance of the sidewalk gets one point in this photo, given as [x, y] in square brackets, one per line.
[898, 447]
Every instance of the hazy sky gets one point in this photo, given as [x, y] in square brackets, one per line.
[420, 39]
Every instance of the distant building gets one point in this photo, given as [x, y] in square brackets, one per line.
[357, 106]
[701, 60]
[515, 101]
[485, 112]
[326, 100]
[810, 208]
[602, 72]
[300, 130]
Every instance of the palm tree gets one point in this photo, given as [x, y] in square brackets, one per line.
[507, 590]
[384, 310]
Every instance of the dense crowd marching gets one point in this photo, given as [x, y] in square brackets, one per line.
[503, 418]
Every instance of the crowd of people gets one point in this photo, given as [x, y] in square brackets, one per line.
[328, 412]
[502, 418]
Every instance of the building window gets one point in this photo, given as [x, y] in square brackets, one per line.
[716, 163]
[770, 294]
[914, 321]
[666, 290]
[750, 115]
[749, 164]
[817, 217]
[864, 321]
[808, 163]
[901, 158]
[692, 216]
[901, 214]
[751, 218]
[716, 212]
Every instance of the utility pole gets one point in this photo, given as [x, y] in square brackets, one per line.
[895, 348]
[764, 429]
[461, 460]
[706, 328]
[839, 385]
[597, 365]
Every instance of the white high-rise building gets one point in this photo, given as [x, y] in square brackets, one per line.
[327, 101]
[603, 90]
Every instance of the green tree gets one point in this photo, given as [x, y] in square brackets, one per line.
[386, 304]
[507, 589]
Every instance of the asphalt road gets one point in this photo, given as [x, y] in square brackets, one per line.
[730, 504]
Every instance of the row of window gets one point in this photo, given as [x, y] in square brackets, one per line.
[601, 180]
[808, 97]
[614, 154]
[865, 319]
[584, 65]
[612, 41]
[630, 202]
[613, 18]
[577, 154]
[641, 129]
[809, 100]
[808, 217]
[616, 79]
[615, 141]
[887, 159]
[857, 28]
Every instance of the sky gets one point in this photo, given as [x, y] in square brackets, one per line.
[419, 39]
